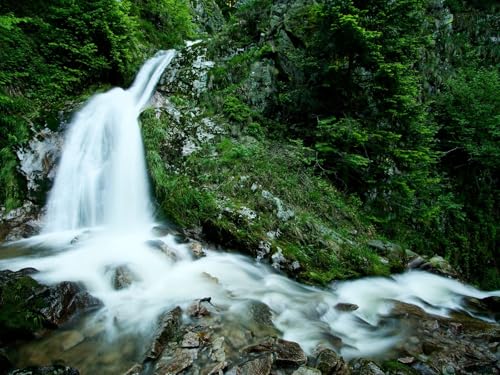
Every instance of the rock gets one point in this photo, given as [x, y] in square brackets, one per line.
[289, 353]
[365, 367]
[37, 161]
[171, 365]
[198, 309]
[70, 339]
[258, 366]
[329, 362]
[46, 370]
[207, 16]
[27, 306]
[385, 248]
[20, 223]
[64, 300]
[167, 329]
[218, 350]
[304, 370]
[190, 340]
[122, 277]
[218, 369]
[134, 370]
[197, 250]
[344, 307]
[163, 247]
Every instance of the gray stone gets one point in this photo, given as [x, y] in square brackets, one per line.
[288, 352]
[172, 365]
[365, 367]
[329, 362]
[191, 340]
[304, 370]
[258, 366]
[167, 329]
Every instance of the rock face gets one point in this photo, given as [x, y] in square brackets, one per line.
[20, 223]
[26, 306]
[207, 15]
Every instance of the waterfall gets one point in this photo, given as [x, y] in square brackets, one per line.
[101, 179]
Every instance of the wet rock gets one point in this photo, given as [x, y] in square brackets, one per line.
[304, 370]
[261, 314]
[134, 370]
[197, 250]
[345, 307]
[489, 307]
[190, 340]
[167, 329]
[64, 300]
[123, 277]
[365, 367]
[163, 247]
[218, 350]
[198, 309]
[70, 339]
[329, 362]
[26, 305]
[171, 365]
[19, 223]
[289, 352]
[46, 370]
[258, 366]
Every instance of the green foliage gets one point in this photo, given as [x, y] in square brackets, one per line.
[468, 110]
[54, 51]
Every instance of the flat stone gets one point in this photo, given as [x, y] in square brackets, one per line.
[289, 352]
[181, 360]
[304, 370]
[191, 340]
[329, 362]
[259, 366]
[70, 339]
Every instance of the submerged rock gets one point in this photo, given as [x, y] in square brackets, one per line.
[134, 370]
[122, 277]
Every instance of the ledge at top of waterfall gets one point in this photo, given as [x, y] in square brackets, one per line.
[102, 179]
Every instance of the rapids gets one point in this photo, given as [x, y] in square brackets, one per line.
[99, 216]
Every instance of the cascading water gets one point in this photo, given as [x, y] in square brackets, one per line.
[102, 184]
[102, 179]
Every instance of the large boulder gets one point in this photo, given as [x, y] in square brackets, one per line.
[26, 306]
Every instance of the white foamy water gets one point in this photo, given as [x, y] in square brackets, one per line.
[102, 185]
[102, 179]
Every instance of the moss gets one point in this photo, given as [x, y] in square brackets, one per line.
[235, 188]
[19, 314]
[395, 367]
